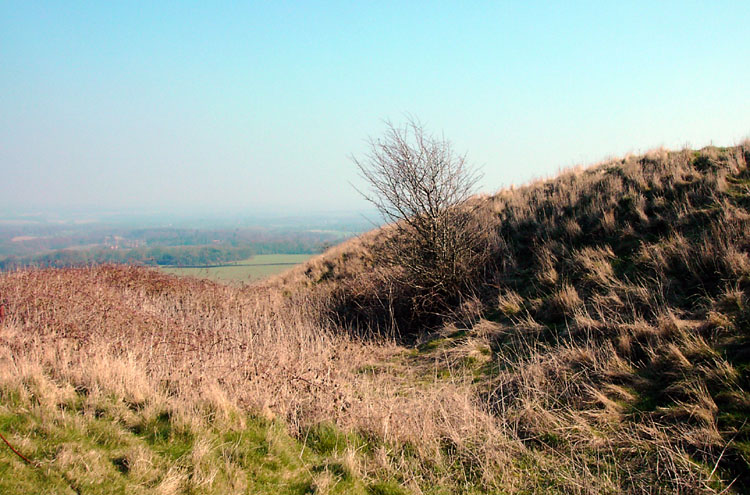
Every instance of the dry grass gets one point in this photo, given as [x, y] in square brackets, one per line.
[620, 293]
[202, 351]
[605, 352]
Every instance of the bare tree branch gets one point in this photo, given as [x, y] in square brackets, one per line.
[420, 185]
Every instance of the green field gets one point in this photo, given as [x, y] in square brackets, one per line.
[245, 271]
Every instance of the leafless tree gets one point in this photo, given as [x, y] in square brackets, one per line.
[420, 186]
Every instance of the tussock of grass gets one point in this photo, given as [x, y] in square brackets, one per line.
[606, 349]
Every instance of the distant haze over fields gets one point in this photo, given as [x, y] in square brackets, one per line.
[187, 218]
[83, 237]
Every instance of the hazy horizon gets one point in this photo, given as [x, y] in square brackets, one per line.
[26, 222]
[201, 109]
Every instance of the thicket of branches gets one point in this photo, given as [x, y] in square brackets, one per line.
[436, 244]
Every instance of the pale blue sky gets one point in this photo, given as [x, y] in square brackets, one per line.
[227, 105]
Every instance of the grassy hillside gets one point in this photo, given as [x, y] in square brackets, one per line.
[604, 350]
[615, 309]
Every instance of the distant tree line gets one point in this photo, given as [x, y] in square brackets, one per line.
[159, 255]
[50, 246]
[31, 242]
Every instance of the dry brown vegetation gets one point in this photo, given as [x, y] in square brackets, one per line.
[606, 349]
[202, 352]
[435, 242]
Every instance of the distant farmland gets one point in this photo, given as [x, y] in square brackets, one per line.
[245, 271]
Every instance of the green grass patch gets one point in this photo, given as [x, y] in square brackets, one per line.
[252, 269]
[81, 451]
[327, 439]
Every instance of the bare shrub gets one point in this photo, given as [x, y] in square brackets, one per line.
[436, 241]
